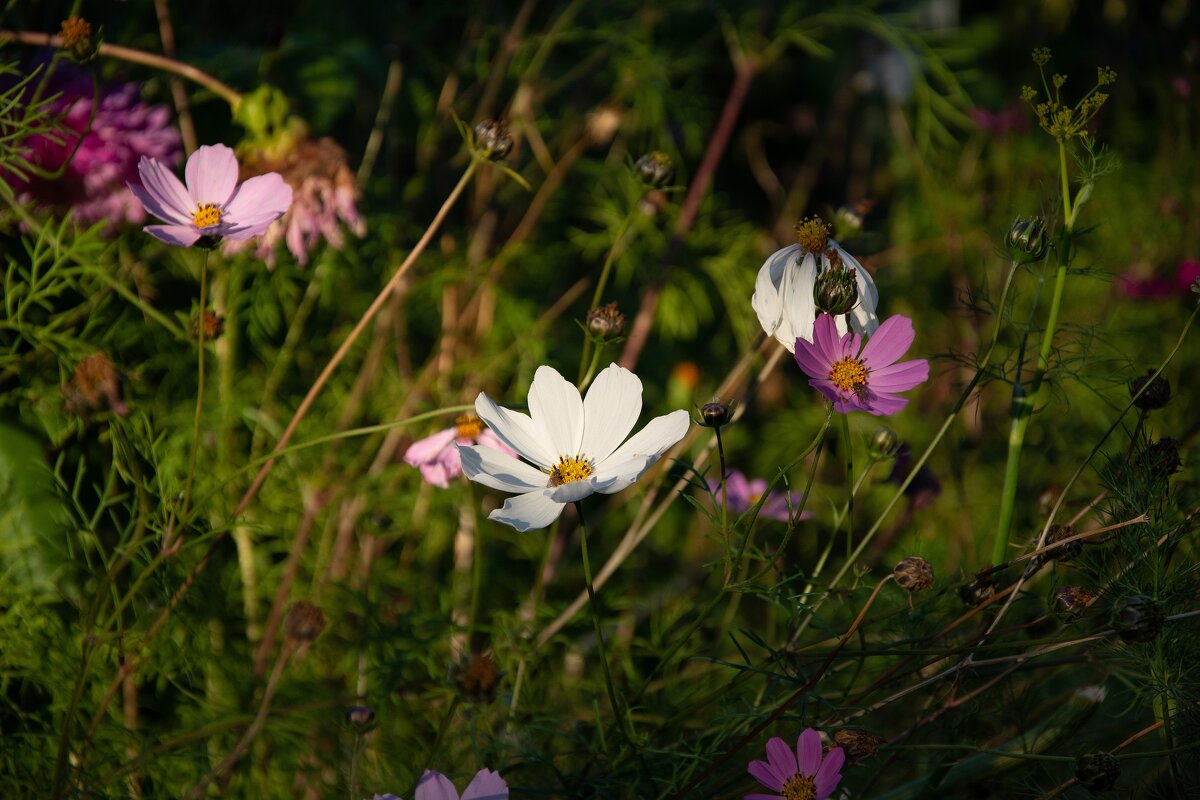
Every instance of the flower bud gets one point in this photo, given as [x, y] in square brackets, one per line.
[360, 718]
[77, 40]
[606, 322]
[1156, 395]
[1097, 772]
[303, 624]
[1138, 618]
[1163, 457]
[1070, 602]
[1027, 239]
[913, 574]
[476, 677]
[884, 444]
[492, 139]
[978, 590]
[655, 169]
[857, 744]
[836, 290]
[715, 414]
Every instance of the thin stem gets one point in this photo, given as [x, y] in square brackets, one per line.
[436, 746]
[724, 505]
[191, 473]
[849, 445]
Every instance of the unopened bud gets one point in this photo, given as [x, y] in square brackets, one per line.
[884, 444]
[1138, 618]
[361, 718]
[606, 322]
[477, 677]
[716, 414]
[77, 40]
[913, 574]
[304, 623]
[1097, 772]
[1070, 602]
[857, 744]
[1156, 395]
[836, 290]
[492, 139]
[1027, 240]
[655, 169]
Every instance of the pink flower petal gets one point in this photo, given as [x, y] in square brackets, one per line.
[435, 786]
[437, 474]
[761, 796]
[781, 757]
[825, 337]
[163, 186]
[891, 341]
[765, 774]
[899, 377]
[884, 405]
[811, 359]
[489, 439]
[263, 196]
[828, 775]
[211, 174]
[808, 752]
[155, 206]
[178, 235]
[427, 449]
[486, 785]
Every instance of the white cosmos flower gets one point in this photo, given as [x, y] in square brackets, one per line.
[783, 294]
[573, 443]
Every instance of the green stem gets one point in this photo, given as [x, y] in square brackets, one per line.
[191, 473]
[724, 506]
[849, 484]
[609, 260]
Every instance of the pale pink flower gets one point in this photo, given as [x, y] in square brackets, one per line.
[437, 456]
[799, 773]
[486, 785]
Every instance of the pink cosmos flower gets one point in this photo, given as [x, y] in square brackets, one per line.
[486, 785]
[743, 494]
[437, 456]
[799, 775]
[866, 380]
[212, 203]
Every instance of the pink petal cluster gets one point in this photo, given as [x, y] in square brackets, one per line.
[1160, 288]
[324, 201]
[486, 785]
[857, 377]
[437, 456]
[742, 493]
[212, 203]
[802, 772]
[93, 184]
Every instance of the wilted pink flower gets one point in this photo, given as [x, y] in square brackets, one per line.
[437, 456]
[213, 203]
[743, 494]
[799, 774]
[1160, 288]
[324, 200]
[486, 785]
[93, 184]
[866, 380]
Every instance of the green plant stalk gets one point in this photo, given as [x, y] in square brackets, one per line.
[535, 599]
[1024, 404]
[609, 260]
[850, 487]
[724, 506]
[191, 473]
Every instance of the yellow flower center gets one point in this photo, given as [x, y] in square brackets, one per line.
[849, 374]
[812, 234]
[570, 469]
[800, 787]
[469, 426]
[206, 214]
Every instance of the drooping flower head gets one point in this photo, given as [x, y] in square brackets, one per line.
[212, 203]
[93, 184]
[571, 446]
[486, 785]
[324, 200]
[437, 456]
[783, 292]
[800, 774]
[743, 493]
[859, 377]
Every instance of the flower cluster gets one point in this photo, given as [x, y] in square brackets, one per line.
[1056, 117]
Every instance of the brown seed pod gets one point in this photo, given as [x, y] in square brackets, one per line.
[913, 574]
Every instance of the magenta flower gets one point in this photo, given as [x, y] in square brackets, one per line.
[212, 203]
[486, 785]
[743, 494]
[1160, 288]
[799, 775]
[866, 380]
[437, 456]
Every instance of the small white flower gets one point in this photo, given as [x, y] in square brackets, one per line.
[574, 443]
[783, 294]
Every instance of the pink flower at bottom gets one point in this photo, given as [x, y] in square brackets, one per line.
[866, 379]
[799, 775]
[486, 785]
[743, 493]
[437, 456]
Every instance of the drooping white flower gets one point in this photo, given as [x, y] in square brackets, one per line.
[783, 292]
[573, 445]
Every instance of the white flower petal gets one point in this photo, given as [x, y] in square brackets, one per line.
[644, 448]
[862, 317]
[499, 470]
[528, 511]
[557, 411]
[766, 300]
[575, 490]
[799, 308]
[516, 430]
[610, 410]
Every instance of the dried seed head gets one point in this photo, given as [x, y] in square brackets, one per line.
[858, 744]
[477, 677]
[303, 624]
[1097, 772]
[1163, 457]
[715, 414]
[884, 444]
[606, 322]
[1070, 602]
[913, 574]
[655, 169]
[978, 590]
[1156, 395]
[94, 386]
[360, 718]
[493, 140]
[1138, 618]
[214, 325]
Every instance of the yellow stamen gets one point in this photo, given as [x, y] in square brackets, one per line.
[849, 374]
[800, 787]
[469, 426]
[570, 469]
[206, 214]
[812, 234]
